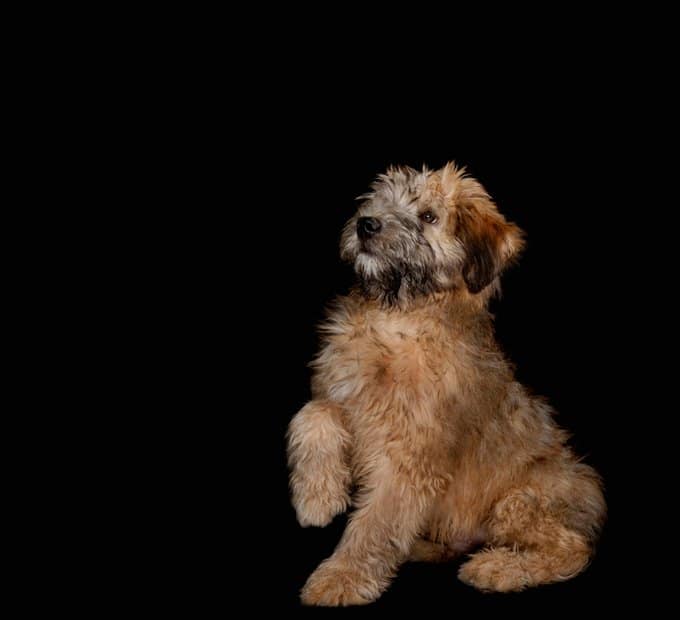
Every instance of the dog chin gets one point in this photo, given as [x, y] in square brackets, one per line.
[367, 265]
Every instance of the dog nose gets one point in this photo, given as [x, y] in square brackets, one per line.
[367, 227]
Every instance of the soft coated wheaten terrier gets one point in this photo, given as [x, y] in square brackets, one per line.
[415, 407]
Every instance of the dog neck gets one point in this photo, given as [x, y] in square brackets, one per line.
[401, 299]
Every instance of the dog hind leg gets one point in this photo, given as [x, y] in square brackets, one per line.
[530, 546]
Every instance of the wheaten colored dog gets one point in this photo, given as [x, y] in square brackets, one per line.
[416, 408]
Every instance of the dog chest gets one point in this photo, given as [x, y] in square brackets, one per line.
[378, 360]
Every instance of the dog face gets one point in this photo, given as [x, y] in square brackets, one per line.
[417, 233]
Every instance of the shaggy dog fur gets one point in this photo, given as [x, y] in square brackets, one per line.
[416, 409]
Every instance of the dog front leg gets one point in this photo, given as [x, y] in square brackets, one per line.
[318, 445]
[377, 540]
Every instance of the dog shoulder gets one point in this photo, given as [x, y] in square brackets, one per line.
[343, 315]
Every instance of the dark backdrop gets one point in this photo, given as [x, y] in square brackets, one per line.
[254, 157]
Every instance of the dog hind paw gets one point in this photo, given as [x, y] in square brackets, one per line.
[495, 570]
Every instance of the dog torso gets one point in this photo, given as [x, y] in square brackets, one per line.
[430, 390]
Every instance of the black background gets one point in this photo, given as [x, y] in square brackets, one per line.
[564, 317]
[235, 161]
[264, 190]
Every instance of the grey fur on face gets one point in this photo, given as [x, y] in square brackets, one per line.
[406, 257]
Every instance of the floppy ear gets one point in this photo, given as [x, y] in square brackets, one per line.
[490, 243]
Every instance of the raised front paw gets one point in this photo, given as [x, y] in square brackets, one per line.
[335, 584]
[318, 508]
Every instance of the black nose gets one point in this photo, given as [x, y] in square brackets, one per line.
[367, 227]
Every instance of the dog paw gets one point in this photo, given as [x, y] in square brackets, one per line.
[333, 585]
[319, 509]
[495, 570]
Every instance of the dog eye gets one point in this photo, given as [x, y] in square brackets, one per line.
[429, 217]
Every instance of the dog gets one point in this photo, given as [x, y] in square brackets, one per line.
[416, 419]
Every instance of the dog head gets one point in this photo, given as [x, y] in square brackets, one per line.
[420, 232]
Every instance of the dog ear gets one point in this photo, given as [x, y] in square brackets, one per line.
[490, 242]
